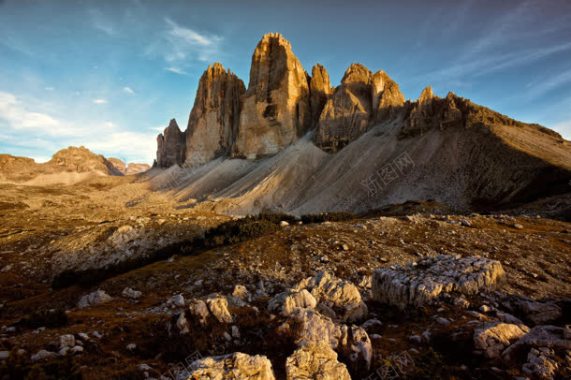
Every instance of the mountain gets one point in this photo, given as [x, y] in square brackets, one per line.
[69, 165]
[291, 142]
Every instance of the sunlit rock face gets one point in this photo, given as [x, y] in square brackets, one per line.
[213, 121]
[170, 146]
[275, 108]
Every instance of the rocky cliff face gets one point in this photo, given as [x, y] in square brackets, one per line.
[386, 96]
[320, 90]
[213, 121]
[171, 146]
[275, 108]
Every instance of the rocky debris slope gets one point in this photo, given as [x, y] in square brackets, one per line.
[213, 121]
[424, 281]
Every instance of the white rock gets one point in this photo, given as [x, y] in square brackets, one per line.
[315, 361]
[342, 296]
[237, 366]
[95, 298]
[177, 301]
[432, 276]
[42, 355]
[131, 347]
[131, 293]
[76, 349]
[287, 302]
[218, 306]
[67, 340]
[4, 355]
[199, 310]
[493, 338]
[283, 223]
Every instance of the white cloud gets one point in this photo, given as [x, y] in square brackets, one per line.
[38, 133]
[176, 70]
[539, 88]
[100, 101]
[19, 116]
[128, 90]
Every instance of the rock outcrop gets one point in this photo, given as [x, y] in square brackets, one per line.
[493, 338]
[171, 146]
[320, 90]
[316, 361]
[346, 114]
[213, 121]
[387, 99]
[275, 108]
[236, 366]
[423, 282]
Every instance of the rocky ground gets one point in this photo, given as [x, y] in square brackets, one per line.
[379, 297]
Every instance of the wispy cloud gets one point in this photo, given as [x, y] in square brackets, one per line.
[101, 22]
[176, 70]
[100, 101]
[179, 46]
[128, 90]
[545, 85]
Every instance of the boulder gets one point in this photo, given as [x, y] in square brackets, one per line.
[95, 298]
[540, 336]
[343, 297]
[315, 361]
[287, 302]
[131, 293]
[218, 306]
[213, 121]
[236, 366]
[307, 326]
[171, 146]
[493, 338]
[423, 282]
[275, 109]
[356, 346]
[199, 310]
[541, 364]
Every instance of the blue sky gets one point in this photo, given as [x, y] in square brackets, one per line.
[109, 75]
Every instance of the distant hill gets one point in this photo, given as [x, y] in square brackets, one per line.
[67, 166]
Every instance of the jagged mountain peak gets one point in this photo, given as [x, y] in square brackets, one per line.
[426, 95]
[356, 72]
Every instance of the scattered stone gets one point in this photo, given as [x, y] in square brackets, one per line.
[4, 355]
[541, 364]
[518, 226]
[218, 306]
[176, 301]
[485, 309]
[76, 349]
[315, 361]
[98, 297]
[131, 293]
[493, 338]
[283, 223]
[199, 310]
[131, 347]
[236, 366]
[442, 321]
[434, 276]
[241, 292]
[43, 355]
[67, 340]
[538, 312]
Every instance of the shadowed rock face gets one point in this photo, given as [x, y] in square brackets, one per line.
[170, 146]
[320, 90]
[346, 114]
[213, 122]
[275, 108]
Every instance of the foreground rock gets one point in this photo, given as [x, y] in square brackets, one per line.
[96, 298]
[236, 366]
[316, 361]
[341, 298]
[493, 338]
[424, 282]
